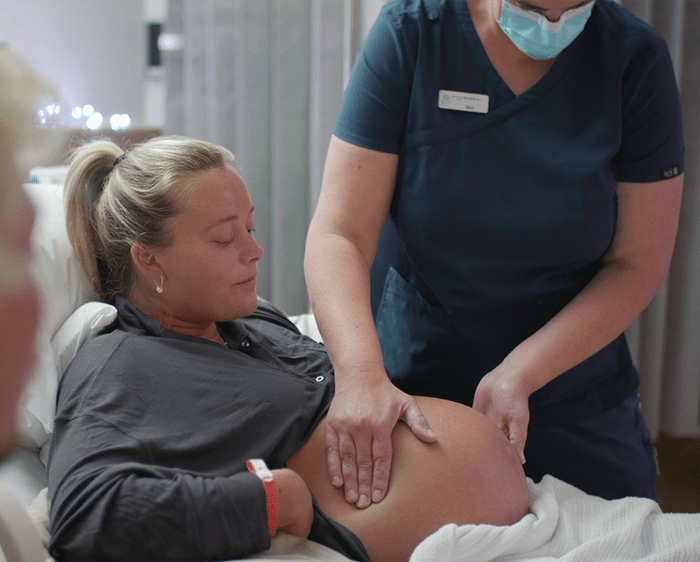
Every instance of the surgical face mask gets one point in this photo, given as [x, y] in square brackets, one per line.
[538, 37]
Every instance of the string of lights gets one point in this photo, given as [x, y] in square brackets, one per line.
[52, 115]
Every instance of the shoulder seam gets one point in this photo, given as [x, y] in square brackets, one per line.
[98, 370]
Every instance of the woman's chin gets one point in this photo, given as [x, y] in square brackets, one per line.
[245, 302]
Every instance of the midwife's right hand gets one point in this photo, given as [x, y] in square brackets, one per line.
[296, 513]
[359, 424]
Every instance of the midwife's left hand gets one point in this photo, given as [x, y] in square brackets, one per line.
[502, 397]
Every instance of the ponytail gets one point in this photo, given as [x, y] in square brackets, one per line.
[90, 167]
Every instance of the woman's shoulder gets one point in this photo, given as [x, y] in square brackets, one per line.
[85, 369]
[428, 9]
[612, 18]
[637, 51]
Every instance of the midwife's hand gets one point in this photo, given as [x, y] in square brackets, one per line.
[502, 397]
[296, 512]
[358, 435]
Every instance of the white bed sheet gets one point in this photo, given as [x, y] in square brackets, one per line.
[567, 525]
[23, 475]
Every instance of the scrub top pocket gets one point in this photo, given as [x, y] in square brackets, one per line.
[416, 336]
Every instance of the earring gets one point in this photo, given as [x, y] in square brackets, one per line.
[159, 288]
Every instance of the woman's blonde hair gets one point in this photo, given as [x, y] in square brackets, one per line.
[116, 199]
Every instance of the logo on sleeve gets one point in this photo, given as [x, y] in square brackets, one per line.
[672, 172]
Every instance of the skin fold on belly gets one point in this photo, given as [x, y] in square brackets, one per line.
[470, 475]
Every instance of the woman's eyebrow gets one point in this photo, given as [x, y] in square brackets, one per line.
[581, 4]
[222, 221]
[228, 219]
[528, 6]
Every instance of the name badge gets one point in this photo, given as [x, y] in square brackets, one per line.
[463, 101]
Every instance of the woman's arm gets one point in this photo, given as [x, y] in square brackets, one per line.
[109, 501]
[296, 512]
[633, 270]
[358, 186]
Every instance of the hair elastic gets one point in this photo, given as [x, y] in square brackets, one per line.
[118, 159]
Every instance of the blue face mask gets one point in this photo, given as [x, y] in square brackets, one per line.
[538, 37]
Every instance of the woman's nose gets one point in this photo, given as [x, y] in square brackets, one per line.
[554, 16]
[255, 251]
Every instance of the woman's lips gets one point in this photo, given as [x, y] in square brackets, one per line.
[249, 280]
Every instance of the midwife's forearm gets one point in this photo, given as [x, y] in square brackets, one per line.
[599, 314]
[633, 270]
[338, 282]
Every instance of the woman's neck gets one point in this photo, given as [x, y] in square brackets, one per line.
[162, 314]
[207, 331]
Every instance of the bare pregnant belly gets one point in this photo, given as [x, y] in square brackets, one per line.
[470, 475]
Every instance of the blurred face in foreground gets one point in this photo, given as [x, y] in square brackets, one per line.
[19, 303]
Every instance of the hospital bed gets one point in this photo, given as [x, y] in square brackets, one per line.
[564, 524]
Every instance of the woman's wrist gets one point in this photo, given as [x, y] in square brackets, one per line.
[511, 374]
[295, 505]
[259, 468]
[362, 375]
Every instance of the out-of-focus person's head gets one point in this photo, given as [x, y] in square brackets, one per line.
[21, 89]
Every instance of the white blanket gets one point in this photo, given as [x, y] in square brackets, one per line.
[566, 525]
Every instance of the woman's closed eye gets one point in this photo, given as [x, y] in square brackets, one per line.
[228, 241]
[530, 8]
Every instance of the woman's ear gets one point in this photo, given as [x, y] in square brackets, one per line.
[146, 261]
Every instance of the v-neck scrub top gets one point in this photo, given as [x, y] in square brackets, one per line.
[501, 214]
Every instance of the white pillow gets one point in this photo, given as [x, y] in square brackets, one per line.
[61, 279]
[38, 404]
[37, 412]
[306, 324]
[54, 174]
[80, 326]
[63, 287]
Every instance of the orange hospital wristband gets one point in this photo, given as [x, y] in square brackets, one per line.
[259, 468]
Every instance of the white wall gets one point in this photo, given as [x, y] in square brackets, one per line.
[369, 10]
[95, 50]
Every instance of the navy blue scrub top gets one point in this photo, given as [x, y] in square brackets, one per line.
[500, 218]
